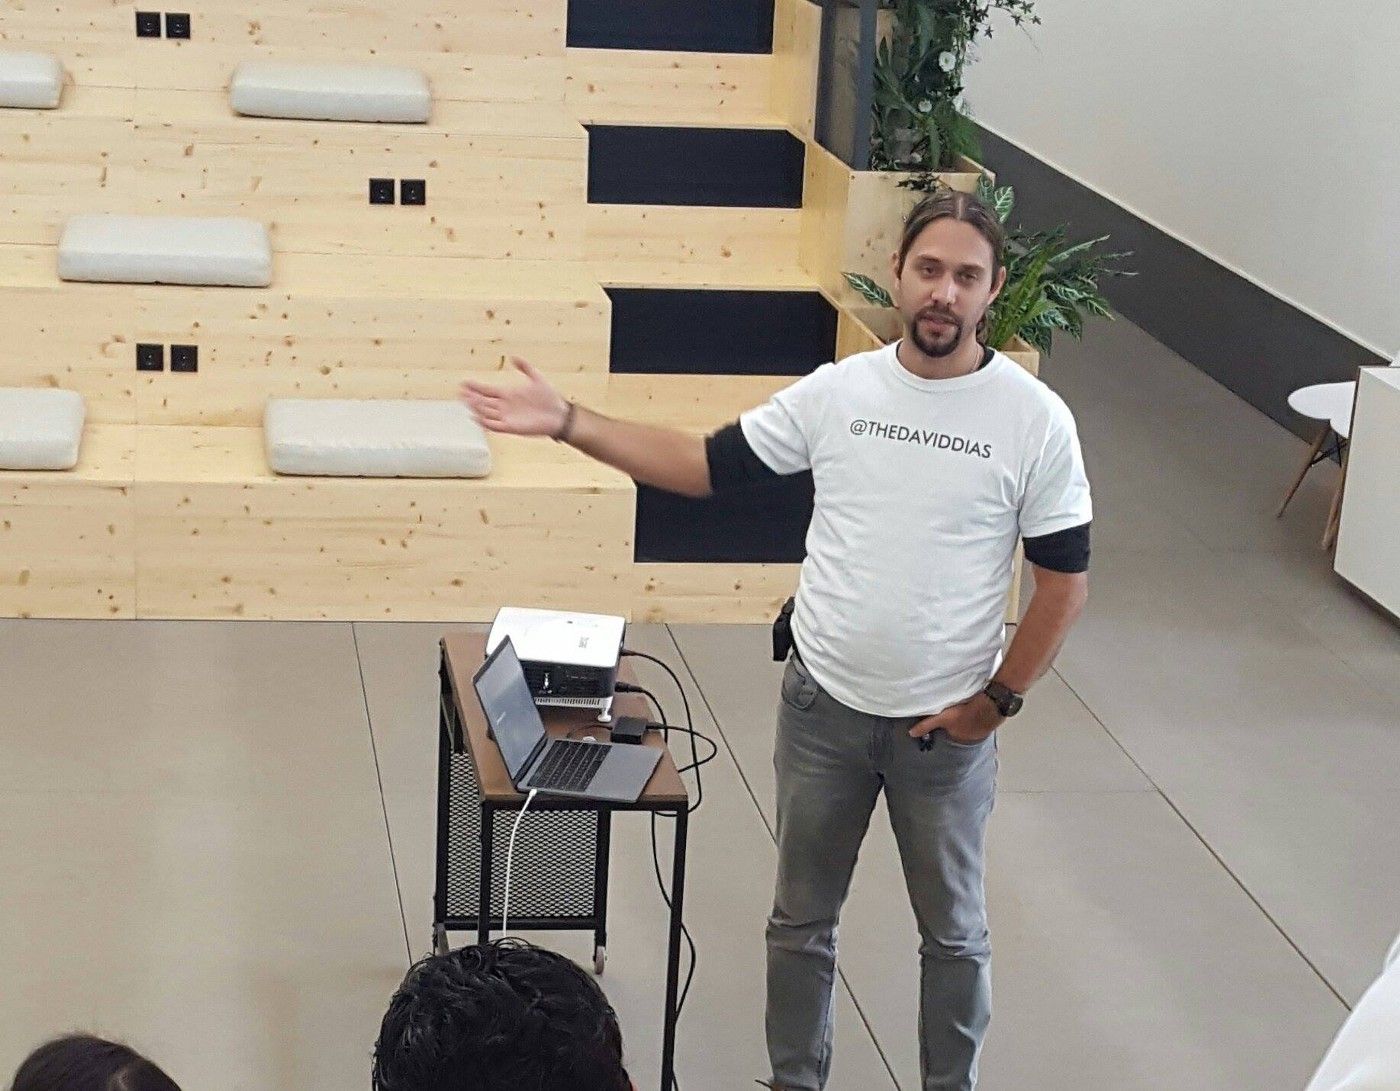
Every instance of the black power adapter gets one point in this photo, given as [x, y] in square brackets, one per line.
[629, 729]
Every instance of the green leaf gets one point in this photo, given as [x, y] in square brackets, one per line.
[1003, 201]
[869, 289]
[1095, 305]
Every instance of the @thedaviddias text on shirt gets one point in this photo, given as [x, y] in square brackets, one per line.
[902, 433]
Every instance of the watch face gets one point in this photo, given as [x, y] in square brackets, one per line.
[1007, 700]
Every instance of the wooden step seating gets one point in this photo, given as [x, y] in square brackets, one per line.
[392, 325]
[221, 536]
[700, 593]
[644, 87]
[635, 242]
[705, 244]
[486, 50]
[659, 84]
[500, 183]
[193, 518]
[211, 532]
[667, 246]
[623, 238]
[56, 163]
[329, 327]
[67, 539]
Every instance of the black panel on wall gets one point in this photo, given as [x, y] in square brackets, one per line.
[703, 26]
[659, 331]
[1244, 337]
[766, 524]
[680, 165]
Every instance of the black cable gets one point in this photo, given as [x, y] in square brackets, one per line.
[624, 687]
[667, 728]
[689, 721]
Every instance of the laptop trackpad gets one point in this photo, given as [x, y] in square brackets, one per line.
[625, 773]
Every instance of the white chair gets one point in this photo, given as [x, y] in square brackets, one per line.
[1331, 403]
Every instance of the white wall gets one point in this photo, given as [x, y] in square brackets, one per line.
[1265, 133]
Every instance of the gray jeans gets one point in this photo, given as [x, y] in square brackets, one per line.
[832, 762]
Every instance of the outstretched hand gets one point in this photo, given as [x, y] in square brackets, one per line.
[533, 408]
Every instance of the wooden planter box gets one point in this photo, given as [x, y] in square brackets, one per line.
[851, 219]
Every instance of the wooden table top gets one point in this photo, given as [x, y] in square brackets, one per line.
[466, 651]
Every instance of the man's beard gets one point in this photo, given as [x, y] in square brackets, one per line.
[935, 345]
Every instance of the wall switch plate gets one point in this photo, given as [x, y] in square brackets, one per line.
[184, 358]
[381, 191]
[413, 191]
[150, 357]
[148, 24]
[177, 24]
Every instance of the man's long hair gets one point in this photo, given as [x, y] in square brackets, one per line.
[952, 204]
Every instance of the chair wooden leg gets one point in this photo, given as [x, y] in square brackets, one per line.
[1334, 517]
[1303, 470]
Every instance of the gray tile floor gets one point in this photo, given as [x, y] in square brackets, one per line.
[215, 839]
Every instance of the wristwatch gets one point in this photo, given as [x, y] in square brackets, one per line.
[1007, 700]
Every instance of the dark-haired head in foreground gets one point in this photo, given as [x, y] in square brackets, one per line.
[499, 1017]
[81, 1062]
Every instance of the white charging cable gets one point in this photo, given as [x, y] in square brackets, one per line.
[510, 858]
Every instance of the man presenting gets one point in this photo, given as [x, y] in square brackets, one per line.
[931, 458]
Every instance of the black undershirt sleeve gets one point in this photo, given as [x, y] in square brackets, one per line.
[1064, 551]
[733, 464]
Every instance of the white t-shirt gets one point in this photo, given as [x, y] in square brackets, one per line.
[1366, 1053]
[923, 488]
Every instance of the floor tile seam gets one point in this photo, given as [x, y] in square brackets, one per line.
[1219, 859]
[383, 801]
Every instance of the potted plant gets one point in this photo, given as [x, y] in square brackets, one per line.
[921, 122]
[920, 131]
[1052, 286]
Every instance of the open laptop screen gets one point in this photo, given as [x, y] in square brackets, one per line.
[510, 710]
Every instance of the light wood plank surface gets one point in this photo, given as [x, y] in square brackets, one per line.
[796, 50]
[704, 237]
[719, 594]
[220, 536]
[639, 87]
[67, 538]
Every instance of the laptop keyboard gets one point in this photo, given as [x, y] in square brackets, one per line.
[569, 766]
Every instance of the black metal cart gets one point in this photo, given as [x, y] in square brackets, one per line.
[560, 873]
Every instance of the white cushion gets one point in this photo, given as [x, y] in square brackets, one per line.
[322, 92]
[30, 80]
[383, 438]
[166, 250]
[40, 429]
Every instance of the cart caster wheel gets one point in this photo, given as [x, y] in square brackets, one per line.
[440, 946]
[600, 960]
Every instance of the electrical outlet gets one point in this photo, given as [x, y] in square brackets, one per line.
[381, 191]
[150, 357]
[184, 358]
[177, 24]
[148, 24]
[413, 191]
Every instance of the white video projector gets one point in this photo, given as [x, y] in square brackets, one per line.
[570, 659]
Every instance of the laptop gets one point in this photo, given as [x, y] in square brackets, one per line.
[535, 762]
